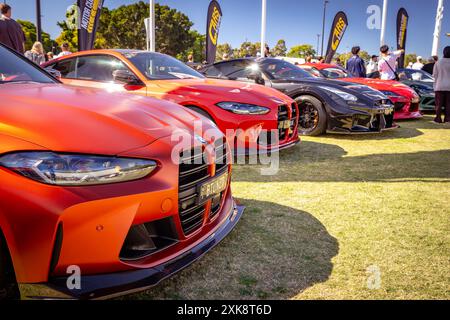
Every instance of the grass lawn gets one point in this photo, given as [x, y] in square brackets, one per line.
[341, 212]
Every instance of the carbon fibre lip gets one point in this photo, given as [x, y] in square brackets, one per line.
[106, 286]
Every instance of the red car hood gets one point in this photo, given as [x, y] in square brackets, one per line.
[385, 85]
[71, 119]
[226, 90]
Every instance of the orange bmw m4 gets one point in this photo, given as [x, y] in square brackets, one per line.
[97, 198]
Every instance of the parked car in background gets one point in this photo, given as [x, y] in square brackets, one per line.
[422, 82]
[244, 112]
[324, 105]
[405, 99]
[93, 183]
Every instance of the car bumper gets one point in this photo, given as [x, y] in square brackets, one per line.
[243, 152]
[428, 103]
[407, 110]
[104, 286]
[363, 120]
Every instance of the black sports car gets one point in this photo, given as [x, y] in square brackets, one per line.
[325, 105]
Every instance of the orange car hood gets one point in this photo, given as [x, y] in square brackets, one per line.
[225, 90]
[71, 119]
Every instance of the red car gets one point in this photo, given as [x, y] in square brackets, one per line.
[405, 99]
[245, 112]
[96, 198]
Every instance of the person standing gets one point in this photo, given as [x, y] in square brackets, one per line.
[430, 65]
[50, 56]
[355, 65]
[388, 63]
[372, 66]
[441, 74]
[65, 50]
[36, 54]
[419, 64]
[11, 33]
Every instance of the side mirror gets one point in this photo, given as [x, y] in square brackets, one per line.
[257, 77]
[126, 77]
[55, 73]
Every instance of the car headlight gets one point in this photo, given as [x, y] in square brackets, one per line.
[243, 108]
[390, 94]
[76, 170]
[344, 95]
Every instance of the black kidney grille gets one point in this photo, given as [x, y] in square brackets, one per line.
[193, 171]
[283, 115]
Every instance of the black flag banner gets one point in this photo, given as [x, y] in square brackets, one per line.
[402, 32]
[338, 29]
[212, 31]
[90, 11]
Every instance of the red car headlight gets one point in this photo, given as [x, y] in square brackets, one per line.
[243, 108]
[76, 170]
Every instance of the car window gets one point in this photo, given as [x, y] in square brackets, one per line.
[97, 68]
[416, 75]
[157, 66]
[334, 73]
[15, 69]
[233, 69]
[312, 71]
[278, 69]
[65, 67]
[212, 71]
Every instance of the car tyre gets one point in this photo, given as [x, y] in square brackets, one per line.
[313, 117]
[8, 285]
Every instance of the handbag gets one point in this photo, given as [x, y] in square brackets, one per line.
[397, 78]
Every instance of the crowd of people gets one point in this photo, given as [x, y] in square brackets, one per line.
[384, 66]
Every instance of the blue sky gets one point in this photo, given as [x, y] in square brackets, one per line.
[296, 21]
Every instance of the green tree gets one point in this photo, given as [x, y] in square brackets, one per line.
[301, 51]
[67, 35]
[344, 57]
[199, 46]
[248, 49]
[410, 57]
[124, 27]
[31, 36]
[222, 49]
[280, 49]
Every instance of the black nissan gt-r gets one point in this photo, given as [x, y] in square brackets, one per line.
[325, 105]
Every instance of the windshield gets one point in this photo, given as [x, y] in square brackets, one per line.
[415, 75]
[313, 71]
[334, 73]
[156, 66]
[278, 69]
[13, 69]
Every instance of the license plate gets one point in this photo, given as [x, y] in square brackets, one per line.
[212, 188]
[284, 124]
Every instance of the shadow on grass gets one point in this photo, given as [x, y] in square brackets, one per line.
[321, 162]
[275, 252]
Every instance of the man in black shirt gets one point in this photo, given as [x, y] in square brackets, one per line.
[430, 65]
[11, 33]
